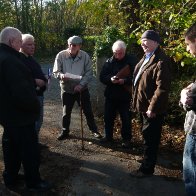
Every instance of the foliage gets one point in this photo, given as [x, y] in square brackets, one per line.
[101, 22]
[176, 114]
[104, 42]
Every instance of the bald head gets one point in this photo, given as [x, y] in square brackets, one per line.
[12, 37]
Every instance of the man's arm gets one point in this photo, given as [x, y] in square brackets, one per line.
[88, 71]
[58, 67]
[21, 86]
[163, 82]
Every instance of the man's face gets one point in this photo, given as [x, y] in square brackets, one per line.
[16, 43]
[28, 47]
[148, 45]
[74, 48]
[191, 46]
[119, 54]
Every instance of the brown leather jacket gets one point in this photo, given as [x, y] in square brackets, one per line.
[152, 88]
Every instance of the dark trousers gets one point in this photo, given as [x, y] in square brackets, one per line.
[151, 131]
[111, 109]
[20, 145]
[68, 101]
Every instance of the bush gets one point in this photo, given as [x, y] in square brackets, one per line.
[176, 114]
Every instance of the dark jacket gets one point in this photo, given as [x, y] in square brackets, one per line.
[152, 88]
[111, 68]
[18, 100]
[36, 71]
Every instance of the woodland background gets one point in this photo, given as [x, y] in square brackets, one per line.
[101, 22]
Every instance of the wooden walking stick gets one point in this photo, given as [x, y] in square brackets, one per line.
[81, 121]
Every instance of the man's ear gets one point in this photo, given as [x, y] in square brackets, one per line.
[11, 41]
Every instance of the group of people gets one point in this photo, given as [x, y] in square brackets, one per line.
[22, 84]
[130, 86]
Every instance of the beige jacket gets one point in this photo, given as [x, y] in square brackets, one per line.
[81, 66]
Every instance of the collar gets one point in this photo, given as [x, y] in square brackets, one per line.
[25, 54]
[10, 49]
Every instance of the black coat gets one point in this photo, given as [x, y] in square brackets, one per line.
[36, 71]
[111, 68]
[18, 100]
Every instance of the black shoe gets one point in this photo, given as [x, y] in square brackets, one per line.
[139, 174]
[63, 135]
[106, 140]
[97, 135]
[42, 146]
[126, 144]
[41, 186]
[18, 181]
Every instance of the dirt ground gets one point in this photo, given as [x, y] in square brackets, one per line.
[63, 162]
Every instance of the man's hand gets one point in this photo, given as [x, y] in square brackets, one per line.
[116, 80]
[78, 88]
[63, 77]
[40, 83]
[189, 101]
[150, 114]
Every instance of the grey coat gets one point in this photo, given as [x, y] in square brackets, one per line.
[190, 119]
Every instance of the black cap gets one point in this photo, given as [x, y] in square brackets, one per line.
[150, 34]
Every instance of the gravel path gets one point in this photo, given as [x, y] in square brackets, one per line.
[97, 170]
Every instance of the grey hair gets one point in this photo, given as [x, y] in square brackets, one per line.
[26, 37]
[9, 33]
[119, 44]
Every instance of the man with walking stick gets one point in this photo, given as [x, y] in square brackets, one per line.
[73, 68]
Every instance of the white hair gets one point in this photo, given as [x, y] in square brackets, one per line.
[119, 44]
[26, 37]
[9, 33]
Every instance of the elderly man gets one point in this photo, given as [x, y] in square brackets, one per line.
[19, 109]
[73, 68]
[117, 92]
[27, 51]
[151, 84]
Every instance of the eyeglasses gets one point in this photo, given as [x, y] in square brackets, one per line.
[73, 45]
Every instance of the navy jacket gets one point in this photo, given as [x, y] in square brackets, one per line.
[36, 71]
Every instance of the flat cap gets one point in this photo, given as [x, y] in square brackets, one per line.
[150, 34]
[75, 40]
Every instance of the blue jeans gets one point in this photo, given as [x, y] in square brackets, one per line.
[189, 165]
[39, 122]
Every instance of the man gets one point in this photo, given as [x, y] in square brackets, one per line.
[117, 94]
[27, 51]
[73, 68]
[151, 84]
[188, 99]
[19, 108]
